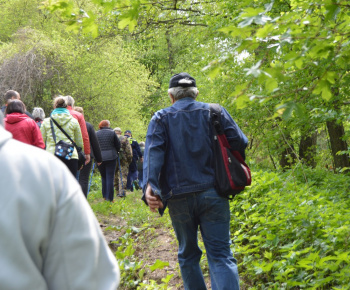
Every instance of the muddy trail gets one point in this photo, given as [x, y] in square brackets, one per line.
[157, 242]
[149, 247]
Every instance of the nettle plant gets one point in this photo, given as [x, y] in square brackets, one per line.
[131, 269]
[292, 230]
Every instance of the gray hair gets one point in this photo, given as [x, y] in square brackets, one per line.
[1, 119]
[70, 101]
[60, 102]
[38, 113]
[117, 129]
[181, 92]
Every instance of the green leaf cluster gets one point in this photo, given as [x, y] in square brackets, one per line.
[290, 233]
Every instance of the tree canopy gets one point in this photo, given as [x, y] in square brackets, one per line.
[280, 67]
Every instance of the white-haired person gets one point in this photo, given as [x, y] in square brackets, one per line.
[81, 120]
[38, 115]
[50, 238]
[179, 174]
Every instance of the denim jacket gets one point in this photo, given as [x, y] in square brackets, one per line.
[178, 156]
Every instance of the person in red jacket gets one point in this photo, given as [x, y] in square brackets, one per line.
[84, 132]
[22, 127]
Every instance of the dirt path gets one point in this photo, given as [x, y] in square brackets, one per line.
[150, 246]
[157, 242]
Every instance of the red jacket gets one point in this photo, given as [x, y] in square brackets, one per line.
[84, 132]
[24, 129]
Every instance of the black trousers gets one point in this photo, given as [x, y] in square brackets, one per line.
[107, 170]
[84, 177]
[72, 165]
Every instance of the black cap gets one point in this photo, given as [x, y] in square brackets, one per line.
[182, 80]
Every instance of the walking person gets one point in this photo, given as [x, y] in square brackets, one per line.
[50, 237]
[140, 165]
[125, 158]
[95, 154]
[110, 146]
[78, 116]
[22, 127]
[136, 155]
[38, 115]
[69, 124]
[9, 96]
[179, 173]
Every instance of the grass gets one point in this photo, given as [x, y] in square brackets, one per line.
[289, 230]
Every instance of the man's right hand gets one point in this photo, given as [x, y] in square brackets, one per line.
[153, 201]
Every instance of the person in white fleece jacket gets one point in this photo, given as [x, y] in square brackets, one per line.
[49, 236]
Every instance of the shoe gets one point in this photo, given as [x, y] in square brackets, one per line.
[121, 195]
[136, 184]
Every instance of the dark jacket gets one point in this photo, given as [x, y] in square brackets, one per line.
[139, 163]
[136, 154]
[178, 155]
[94, 145]
[109, 143]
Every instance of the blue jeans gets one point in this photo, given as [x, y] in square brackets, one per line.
[210, 213]
[132, 176]
[107, 170]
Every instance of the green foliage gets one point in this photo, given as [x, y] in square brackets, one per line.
[130, 269]
[288, 40]
[153, 285]
[289, 230]
[269, 59]
[159, 265]
[288, 233]
[35, 65]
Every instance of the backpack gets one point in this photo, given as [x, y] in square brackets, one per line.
[232, 174]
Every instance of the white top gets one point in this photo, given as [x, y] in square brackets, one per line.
[49, 236]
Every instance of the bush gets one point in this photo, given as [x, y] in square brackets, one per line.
[292, 230]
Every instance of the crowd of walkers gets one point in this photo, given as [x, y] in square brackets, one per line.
[178, 173]
[118, 157]
[50, 237]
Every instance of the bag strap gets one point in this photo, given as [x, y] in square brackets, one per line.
[64, 132]
[215, 116]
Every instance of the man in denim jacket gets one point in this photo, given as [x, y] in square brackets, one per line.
[179, 173]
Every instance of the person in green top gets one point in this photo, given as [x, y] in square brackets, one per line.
[69, 124]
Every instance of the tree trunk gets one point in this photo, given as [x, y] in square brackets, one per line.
[288, 156]
[336, 133]
[307, 149]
